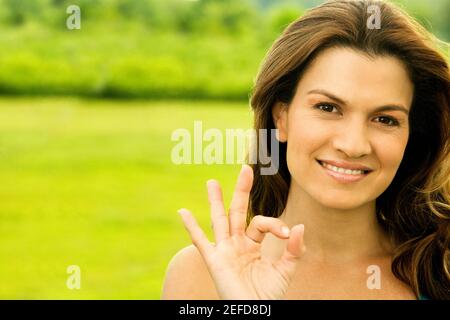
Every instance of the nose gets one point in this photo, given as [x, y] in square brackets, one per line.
[352, 139]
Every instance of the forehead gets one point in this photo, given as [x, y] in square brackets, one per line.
[358, 78]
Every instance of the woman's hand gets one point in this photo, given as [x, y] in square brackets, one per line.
[235, 261]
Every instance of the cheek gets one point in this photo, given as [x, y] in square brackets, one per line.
[303, 128]
[304, 139]
[390, 151]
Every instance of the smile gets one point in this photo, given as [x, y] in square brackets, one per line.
[343, 175]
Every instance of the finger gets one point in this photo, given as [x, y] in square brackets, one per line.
[239, 203]
[295, 246]
[218, 215]
[260, 225]
[196, 233]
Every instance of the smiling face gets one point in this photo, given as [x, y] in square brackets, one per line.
[347, 107]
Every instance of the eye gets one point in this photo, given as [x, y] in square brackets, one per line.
[326, 107]
[385, 120]
[389, 121]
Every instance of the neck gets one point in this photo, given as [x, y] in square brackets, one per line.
[333, 233]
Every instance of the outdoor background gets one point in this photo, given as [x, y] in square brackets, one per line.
[86, 117]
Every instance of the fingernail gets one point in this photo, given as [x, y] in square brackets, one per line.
[285, 231]
[180, 211]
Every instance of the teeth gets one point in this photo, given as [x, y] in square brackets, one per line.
[342, 170]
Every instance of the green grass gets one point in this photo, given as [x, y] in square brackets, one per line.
[91, 183]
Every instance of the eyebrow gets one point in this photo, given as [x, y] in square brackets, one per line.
[390, 107]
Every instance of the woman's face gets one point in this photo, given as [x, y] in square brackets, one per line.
[333, 117]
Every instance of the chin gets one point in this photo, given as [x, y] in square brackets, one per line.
[340, 202]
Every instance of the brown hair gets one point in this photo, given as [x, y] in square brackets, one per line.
[415, 209]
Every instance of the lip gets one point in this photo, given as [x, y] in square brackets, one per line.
[345, 165]
[343, 177]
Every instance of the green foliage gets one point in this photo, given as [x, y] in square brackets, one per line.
[131, 49]
[142, 64]
[281, 17]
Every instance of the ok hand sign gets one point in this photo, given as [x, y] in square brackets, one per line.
[235, 261]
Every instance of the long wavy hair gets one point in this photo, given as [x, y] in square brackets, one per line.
[415, 209]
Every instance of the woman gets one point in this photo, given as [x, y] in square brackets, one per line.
[359, 208]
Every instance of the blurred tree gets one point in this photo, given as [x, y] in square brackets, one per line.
[17, 12]
[433, 15]
[282, 16]
[441, 20]
[151, 13]
[214, 16]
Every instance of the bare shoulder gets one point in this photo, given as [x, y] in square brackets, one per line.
[187, 277]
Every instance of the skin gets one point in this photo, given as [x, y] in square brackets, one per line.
[333, 233]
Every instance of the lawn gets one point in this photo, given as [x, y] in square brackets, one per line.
[91, 183]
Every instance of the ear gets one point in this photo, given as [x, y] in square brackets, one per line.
[279, 116]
